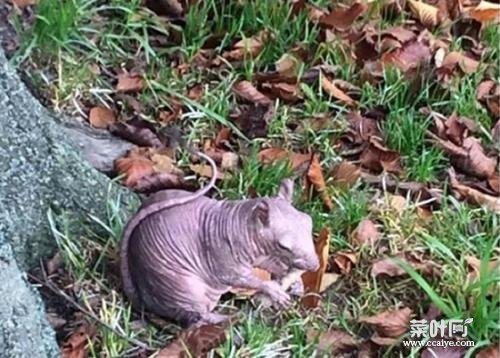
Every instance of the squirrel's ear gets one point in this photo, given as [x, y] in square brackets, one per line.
[261, 212]
[286, 190]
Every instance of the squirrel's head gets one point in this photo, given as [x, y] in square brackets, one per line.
[286, 231]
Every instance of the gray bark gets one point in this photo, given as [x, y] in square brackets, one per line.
[41, 167]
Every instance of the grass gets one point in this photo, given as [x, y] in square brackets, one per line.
[71, 38]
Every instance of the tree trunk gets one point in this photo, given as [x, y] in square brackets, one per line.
[41, 167]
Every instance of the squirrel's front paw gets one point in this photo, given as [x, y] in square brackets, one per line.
[279, 297]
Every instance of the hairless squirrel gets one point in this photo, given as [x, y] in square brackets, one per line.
[181, 251]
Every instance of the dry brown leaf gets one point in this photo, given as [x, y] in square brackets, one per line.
[194, 342]
[257, 272]
[427, 14]
[76, 345]
[391, 323]
[387, 267]
[410, 56]
[247, 48]
[469, 158]
[21, 4]
[158, 181]
[247, 91]
[376, 157]
[475, 267]
[383, 341]
[253, 119]
[312, 280]
[101, 117]
[453, 59]
[366, 233]
[335, 92]
[343, 262]
[342, 19]
[346, 174]
[289, 93]
[361, 129]
[332, 341]
[329, 278]
[400, 33]
[128, 82]
[492, 351]
[315, 178]
[196, 92]
[205, 170]
[486, 11]
[134, 167]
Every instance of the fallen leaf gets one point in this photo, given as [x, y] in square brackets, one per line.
[195, 342]
[257, 272]
[158, 181]
[253, 120]
[469, 158]
[443, 352]
[400, 33]
[474, 265]
[247, 48]
[333, 342]
[129, 82]
[342, 19]
[134, 167]
[408, 57]
[345, 174]
[427, 14]
[391, 324]
[196, 92]
[101, 117]
[486, 11]
[297, 160]
[488, 92]
[289, 93]
[389, 267]
[492, 351]
[453, 59]
[361, 128]
[315, 178]
[494, 183]
[473, 196]
[312, 280]
[343, 262]
[168, 8]
[205, 170]
[76, 345]
[329, 278]
[21, 4]
[335, 92]
[366, 233]
[247, 91]
[376, 157]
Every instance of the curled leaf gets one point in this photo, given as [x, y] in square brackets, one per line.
[391, 323]
[366, 233]
[312, 280]
[342, 19]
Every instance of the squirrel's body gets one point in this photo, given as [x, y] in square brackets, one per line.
[179, 256]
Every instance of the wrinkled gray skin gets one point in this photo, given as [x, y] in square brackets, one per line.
[177, 261]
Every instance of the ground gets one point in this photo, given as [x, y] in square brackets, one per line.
[387, 110]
